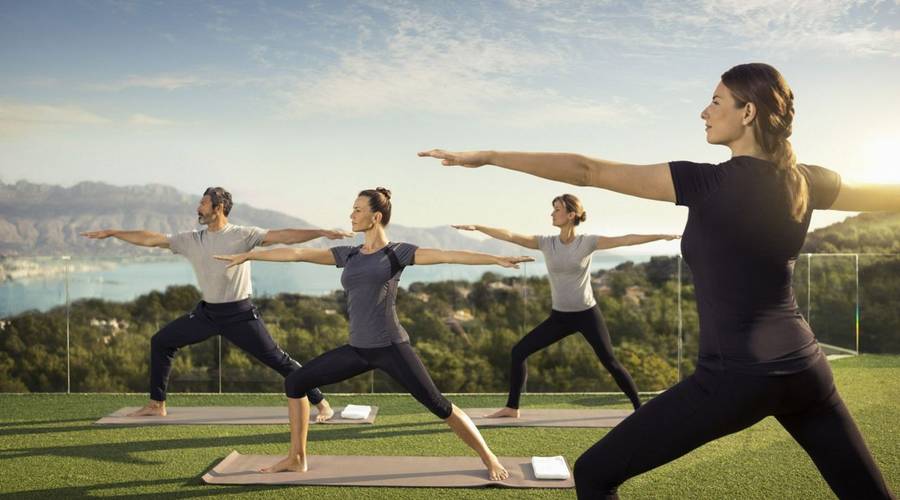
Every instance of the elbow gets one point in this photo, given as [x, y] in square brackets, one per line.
[583, 171]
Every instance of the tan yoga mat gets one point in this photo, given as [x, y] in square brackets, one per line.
[349, 470]
[551, 417]
[224, 415]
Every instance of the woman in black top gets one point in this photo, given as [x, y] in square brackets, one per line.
[747, 221]
[371, 276]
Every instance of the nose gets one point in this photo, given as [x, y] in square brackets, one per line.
[703, 114]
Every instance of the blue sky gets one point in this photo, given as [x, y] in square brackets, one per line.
[295, 106]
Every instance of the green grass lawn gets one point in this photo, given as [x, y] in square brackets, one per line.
[49, 447]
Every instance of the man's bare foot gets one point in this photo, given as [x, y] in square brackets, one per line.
[496, 471]
[504, 412]
[325, 411]
[290, 463]
[152, 409]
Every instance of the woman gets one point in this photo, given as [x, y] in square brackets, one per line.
[747, 221]
[371, 277]
[568, 258]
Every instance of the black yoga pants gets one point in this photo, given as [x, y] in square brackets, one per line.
[557, 327]
[399, 361]
[712, 403]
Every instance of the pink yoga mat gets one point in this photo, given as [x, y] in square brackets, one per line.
[550, 417]
[331, 470]
[224, 415]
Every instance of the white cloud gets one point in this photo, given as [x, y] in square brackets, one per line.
[428, 63]
[848, 26]
[17, 118]
[140, 119]
[162, 82]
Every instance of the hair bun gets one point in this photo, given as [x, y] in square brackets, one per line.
[385, 191]
[583, 216]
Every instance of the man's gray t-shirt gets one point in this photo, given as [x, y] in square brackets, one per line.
[371, 282]
[569, 270]
[218, 284]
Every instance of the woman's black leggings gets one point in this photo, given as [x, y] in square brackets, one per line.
[557, 327]
[713, 403]
[399, 361]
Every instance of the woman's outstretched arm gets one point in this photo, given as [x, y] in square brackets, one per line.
[527, 241]
[607, 242]
[426, 256]
[867, 197]
[314, 255]
[652, 182]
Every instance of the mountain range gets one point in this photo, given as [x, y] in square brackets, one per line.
[45, 220]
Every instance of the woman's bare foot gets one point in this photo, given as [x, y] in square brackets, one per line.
[496, 471]
[290, 463]
[325, 411]
[504, 412]
[152, 409]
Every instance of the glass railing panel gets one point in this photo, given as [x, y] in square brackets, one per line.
[35, 324]
[879, 290]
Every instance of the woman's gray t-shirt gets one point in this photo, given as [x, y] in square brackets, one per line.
[371, 282]
[569, 270]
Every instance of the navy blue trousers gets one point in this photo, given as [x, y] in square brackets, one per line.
[239, 322]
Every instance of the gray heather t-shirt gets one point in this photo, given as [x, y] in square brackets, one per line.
[218, 284]
[371, 282]
[569, 268]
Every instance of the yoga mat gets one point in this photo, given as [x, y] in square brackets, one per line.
[550, 417]
[224, 415]
[350, 470]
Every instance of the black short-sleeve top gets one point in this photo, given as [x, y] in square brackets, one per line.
[741, 243]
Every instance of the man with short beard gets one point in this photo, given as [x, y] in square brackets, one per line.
[226, 308]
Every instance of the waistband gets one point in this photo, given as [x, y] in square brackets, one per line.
[227, 307]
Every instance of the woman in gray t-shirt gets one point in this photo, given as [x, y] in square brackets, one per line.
[568, 258]
[371, 276]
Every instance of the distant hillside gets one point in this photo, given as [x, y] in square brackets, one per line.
[876, 232]
[45, 220]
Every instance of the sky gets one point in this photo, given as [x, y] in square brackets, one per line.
[296, 106]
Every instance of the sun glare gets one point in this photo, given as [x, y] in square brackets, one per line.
[882, 160]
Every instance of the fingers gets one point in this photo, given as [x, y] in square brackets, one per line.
[433, 153]
[232, 260]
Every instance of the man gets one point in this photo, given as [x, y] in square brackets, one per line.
[226, 308]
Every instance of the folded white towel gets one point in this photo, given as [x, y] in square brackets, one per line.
[356, 412]
[550, 467]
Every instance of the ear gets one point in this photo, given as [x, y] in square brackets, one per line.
[749, 113]
[377, 217]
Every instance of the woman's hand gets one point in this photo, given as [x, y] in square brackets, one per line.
[468, 159]
[513, 262]
[233, 260]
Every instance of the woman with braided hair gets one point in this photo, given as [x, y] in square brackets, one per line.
[747, 221]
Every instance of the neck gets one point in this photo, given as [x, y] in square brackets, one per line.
[746, 146]
[217, 224]
[567, 233]
[375, 238]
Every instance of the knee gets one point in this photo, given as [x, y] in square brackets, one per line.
[594, 473]
[296, 384]
[158, 340]
[442, 408]
[518, 354]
